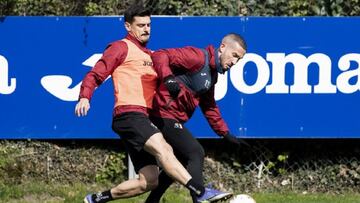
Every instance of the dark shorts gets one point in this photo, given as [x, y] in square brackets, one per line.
[135, 129]
[179, 137]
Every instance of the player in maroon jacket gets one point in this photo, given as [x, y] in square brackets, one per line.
[188, 79]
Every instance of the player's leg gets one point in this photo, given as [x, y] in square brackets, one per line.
[144, 163]
[190, 152]
[138, 130]
[146, 167]
[164, 183]
[157, 146]
[147, 180]
[186, 148]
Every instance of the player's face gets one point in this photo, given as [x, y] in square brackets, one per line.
[230, 54]
[139, 28]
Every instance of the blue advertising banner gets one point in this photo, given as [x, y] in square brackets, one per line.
[299, 79]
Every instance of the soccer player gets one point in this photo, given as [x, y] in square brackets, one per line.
[189, 75]
[129, 63]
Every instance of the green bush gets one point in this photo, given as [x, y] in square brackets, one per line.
[21, 161]
[113, 170]
[186, 7]
[61, 7]
[264, 167]
[196, 7]
[10, 170]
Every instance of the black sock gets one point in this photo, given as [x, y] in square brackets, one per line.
[193, 197]
[195, 187]
[102, 197]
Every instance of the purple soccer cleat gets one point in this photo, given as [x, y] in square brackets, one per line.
[213, 195]
[88, 199]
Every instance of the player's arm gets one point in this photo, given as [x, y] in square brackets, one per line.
[112, 57]
[212, 113]
[186, 59]
[180, 60]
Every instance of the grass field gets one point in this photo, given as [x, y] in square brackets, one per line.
[56, 193]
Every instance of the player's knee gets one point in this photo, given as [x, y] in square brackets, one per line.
[148, 177]
[148, 183]
[154, 143]
[157, 146]
[152, 183]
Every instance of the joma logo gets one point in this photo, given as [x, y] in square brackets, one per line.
[271, 74]
[148, 63]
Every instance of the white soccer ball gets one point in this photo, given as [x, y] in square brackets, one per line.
[243, 198]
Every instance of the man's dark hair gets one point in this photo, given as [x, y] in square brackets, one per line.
[238, 38]
[136, 9]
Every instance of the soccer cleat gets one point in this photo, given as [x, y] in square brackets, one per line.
[213, 195]
[88, 199]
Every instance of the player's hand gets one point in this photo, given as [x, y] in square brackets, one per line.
[82, 107]
[173, 86]
[232, 139]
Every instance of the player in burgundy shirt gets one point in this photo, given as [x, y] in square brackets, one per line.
[129, 63]
[188, 79]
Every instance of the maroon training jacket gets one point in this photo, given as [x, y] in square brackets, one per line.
[181, 109]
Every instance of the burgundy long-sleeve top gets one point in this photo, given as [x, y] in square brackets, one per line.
[114, 55]
[171, 61]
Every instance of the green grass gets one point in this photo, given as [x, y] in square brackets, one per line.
[56, 193]
[306, 198]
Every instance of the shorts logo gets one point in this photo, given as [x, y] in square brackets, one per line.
[207, 84]
[153, 125]
[178, 126]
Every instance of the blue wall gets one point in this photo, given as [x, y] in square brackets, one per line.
[300, 78]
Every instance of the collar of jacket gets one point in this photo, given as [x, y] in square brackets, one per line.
[138, 44]
[218, 66]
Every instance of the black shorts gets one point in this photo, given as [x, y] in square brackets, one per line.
[135, 129]
[179, 137]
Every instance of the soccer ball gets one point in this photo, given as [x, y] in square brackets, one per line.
[243, 198]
